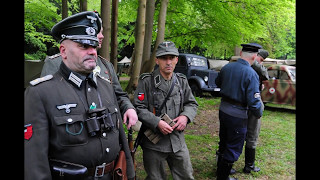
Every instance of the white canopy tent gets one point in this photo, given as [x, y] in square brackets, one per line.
[125, 60]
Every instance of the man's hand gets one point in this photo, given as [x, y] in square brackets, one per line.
[132, 116]
[181, 123]
[164, 127]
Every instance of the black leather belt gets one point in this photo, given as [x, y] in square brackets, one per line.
[101, 170]
[231, 101]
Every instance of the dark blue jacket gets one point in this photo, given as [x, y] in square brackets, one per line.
[239, 82]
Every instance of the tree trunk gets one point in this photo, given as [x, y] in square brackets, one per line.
[148, 37]
[114, 31]
[64, 9]
[138, 47]
[83, 5]
[105, 16]
[160, 35]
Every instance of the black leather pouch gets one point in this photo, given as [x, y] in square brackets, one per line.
[62, 170]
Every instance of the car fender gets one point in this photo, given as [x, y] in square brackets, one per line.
[200, 82]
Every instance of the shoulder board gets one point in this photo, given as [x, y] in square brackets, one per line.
[181, 75]
[144, 75]
[103, 58]
[40, 80]
[54, 56]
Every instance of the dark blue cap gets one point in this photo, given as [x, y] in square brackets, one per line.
[251, 47]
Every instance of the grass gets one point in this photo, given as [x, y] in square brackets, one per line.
[275, 153]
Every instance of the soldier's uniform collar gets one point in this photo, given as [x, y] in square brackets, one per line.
[159, 80]
[75, 78]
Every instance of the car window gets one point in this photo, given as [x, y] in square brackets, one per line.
[198, 62]
[284, 75]
[292, 72]
[273, 74]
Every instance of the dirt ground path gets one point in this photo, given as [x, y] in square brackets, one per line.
[204, 122]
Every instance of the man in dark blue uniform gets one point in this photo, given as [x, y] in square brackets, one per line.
[239, 85]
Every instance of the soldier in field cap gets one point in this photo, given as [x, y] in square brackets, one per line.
[73, 124]
[158, 93]
[167, 48]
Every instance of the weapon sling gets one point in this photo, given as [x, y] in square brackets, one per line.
[156, 112]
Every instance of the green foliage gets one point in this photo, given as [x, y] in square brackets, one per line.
[127, 12]
[35, 42]
[207, 27]
[219, 26]
[280, 30]
[39, 19]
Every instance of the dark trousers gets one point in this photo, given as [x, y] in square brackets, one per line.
[232, 135]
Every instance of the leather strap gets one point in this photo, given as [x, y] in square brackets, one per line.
[169, 93]
[158, 111]
[101, 170]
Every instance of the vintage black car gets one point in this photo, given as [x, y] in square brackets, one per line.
[200, 77]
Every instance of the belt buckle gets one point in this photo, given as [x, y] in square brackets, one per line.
[97, 169]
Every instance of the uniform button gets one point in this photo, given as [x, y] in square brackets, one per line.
[116, 109]
[69, 120]
[89, 89]
[104, 134]
[107, 150]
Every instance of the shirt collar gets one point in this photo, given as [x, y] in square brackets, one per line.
[242, 61]
[75, 78]
[159, 79]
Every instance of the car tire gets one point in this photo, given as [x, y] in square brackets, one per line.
[196, 91]
[215, 94]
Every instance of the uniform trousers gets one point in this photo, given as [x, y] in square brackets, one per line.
[253, 130]
[179, 164]
[232, 135]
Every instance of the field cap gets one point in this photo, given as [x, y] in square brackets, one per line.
[82, 28]
[251, 47]
[167, 48]
[263, 53]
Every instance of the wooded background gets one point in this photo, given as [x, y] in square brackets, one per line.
[132, 28]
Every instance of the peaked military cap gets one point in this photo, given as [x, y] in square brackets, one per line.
[82, 27]
[167, 48]
[251, 47]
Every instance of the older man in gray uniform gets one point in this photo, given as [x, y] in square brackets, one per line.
[165, 92]
[73, 126]
[106, 70]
